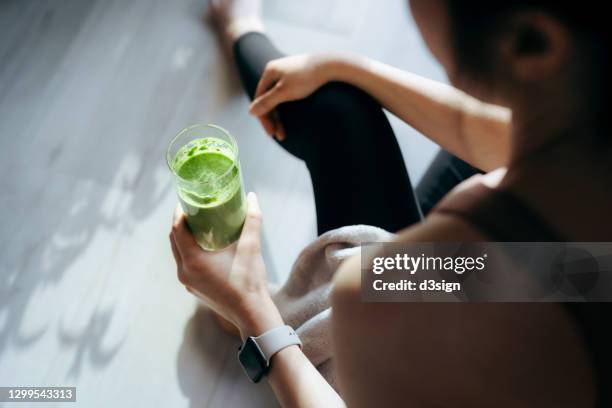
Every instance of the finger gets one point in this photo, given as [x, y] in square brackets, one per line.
[177, 215]
[268, 125]
[180, 272]
[278, 126]
[183, 238]
[268, 80]
[280, 131]
[252, 223]
[268, 101]
[176, 253]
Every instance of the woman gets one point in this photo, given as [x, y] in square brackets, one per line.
[547, 157]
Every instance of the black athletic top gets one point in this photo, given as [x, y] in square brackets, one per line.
[481, 207]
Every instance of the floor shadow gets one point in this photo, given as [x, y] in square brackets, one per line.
[84, 176]
[94, 108]
[88, 343]
[202, 356]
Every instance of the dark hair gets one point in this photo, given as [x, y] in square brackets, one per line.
[475, 23]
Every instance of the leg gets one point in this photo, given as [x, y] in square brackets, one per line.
[347, 143]
[343, 136]
[444, 173]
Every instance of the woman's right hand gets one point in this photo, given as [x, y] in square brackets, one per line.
[288, 79]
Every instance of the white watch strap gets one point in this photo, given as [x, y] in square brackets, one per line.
[273, 341]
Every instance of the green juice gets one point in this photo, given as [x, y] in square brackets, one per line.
[210, 191]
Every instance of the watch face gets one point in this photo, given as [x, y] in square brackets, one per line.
[252, 360]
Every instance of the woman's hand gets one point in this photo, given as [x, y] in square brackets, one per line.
[288, 79]
[231, 281]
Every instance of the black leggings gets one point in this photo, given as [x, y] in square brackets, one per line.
[356, 166]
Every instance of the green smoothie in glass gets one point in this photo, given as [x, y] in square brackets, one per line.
[204, 161]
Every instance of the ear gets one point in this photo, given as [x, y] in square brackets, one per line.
[534, 46]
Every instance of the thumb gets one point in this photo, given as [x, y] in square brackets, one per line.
[252, 223]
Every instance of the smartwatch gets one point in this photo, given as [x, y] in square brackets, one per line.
[255, 354]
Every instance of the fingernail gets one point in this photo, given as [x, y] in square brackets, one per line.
[178, 212]
[253, 202]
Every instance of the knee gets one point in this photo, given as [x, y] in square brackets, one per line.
[338, 100]
[333, 106]
[329, 119]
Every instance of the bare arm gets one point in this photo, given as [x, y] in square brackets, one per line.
[477, 132]
[454, 354]
[232, 282]
[297, 383]
[293, 378]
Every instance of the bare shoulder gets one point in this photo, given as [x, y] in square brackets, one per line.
[441, 228]
[435, 228]
[346, 293]
[442, 354]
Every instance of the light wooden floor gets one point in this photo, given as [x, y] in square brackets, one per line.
[90, 94]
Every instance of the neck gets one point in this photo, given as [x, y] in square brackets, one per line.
[535, 131]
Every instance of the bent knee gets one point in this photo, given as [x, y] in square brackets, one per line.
[334, 105]
[342, 99]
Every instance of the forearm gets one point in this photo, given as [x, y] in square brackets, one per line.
[293, 378]
[476, 132]
[297, 383]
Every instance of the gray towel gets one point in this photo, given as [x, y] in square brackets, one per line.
[304, 299]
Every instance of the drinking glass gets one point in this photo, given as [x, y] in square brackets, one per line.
[204, 161]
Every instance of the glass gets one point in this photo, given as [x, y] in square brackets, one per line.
[206, 168]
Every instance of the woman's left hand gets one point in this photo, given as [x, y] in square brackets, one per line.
[288, 79]
[231, 281]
